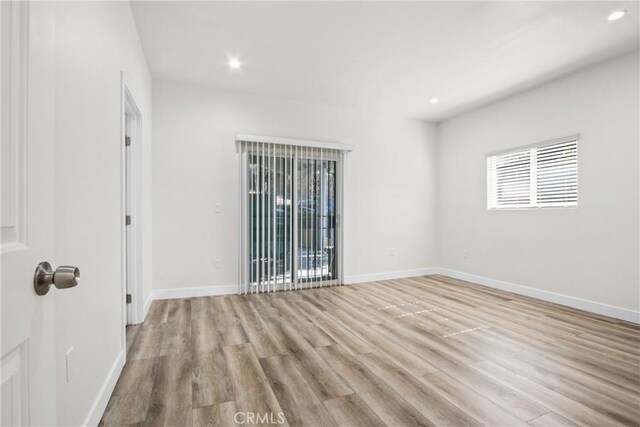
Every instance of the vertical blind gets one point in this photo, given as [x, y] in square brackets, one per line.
[290, 211]
[542, 175]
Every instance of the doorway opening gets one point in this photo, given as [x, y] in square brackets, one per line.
[132, 218]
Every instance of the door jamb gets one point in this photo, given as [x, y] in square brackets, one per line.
[131, 271]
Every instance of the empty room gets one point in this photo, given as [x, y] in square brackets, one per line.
[320, 213]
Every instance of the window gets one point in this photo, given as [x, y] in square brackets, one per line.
[539, 176]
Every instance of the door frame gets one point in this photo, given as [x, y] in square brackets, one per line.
[132, 235]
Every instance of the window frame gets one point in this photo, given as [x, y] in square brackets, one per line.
[491, 191]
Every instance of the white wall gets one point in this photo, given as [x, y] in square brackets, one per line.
[591, 252]
[391, 182]
[94, 42]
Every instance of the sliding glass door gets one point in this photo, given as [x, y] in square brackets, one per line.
[270, 218]
[316, 213]
[290, 207]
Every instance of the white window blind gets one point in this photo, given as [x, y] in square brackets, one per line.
[537, 176]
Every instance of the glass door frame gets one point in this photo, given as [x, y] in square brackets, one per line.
[244, 233]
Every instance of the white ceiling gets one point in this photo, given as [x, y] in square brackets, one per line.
[391, 57]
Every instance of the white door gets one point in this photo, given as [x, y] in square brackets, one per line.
[27, 349]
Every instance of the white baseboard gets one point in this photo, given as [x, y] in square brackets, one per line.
[201, 291]
[389, 275]
[575, 302]
[147, 306]
[205, 291]
[100, 404]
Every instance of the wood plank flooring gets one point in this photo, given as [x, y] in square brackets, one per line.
[413, 352]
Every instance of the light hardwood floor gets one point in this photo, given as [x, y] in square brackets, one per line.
[422, 351]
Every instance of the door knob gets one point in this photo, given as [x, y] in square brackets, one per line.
[65, 276]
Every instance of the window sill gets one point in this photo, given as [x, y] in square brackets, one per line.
[532, 208]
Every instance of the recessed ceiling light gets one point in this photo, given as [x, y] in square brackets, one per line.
[614, 16]
[434, 100]
[234, 63]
